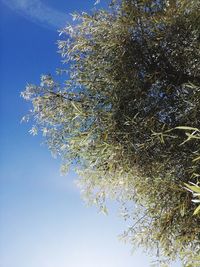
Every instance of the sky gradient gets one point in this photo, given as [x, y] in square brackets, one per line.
[43, 221]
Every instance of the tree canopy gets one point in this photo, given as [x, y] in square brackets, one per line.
[127, 117]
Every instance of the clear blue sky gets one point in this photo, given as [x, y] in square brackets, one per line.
[43, 221]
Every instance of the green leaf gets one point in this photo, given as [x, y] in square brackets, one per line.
[197, 210]
[76, 108]
[196, 159]
[194, 188]
[187, 128]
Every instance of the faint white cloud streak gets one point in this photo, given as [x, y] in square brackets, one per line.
[39, 13]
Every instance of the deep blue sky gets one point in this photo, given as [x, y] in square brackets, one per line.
[43, 221]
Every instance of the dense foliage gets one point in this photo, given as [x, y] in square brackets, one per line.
[128, 117]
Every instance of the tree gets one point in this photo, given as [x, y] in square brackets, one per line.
[128, 117]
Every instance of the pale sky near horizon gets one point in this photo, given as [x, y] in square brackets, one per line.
[43, 220]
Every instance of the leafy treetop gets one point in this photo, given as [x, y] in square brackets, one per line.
[120, 118]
